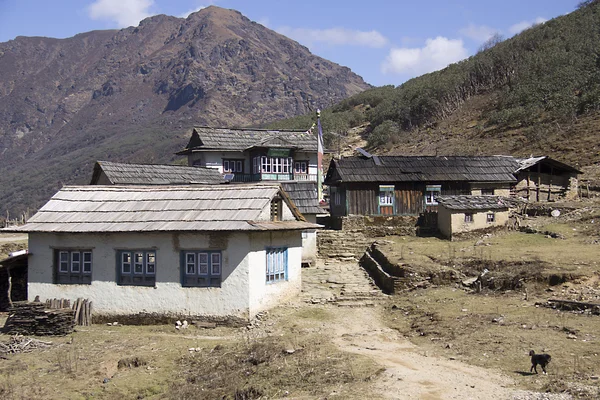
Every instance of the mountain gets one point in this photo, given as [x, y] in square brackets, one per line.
[132, 94]
[535, 93]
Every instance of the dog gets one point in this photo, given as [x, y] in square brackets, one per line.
[539, 359]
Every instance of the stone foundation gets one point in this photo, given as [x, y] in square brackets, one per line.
[377, 225]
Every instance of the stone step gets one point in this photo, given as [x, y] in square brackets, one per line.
[354, 304]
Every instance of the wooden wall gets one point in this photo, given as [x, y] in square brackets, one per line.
[363, 198]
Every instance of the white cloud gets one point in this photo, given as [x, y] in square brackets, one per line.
[264, 21]
[335, 36]
[478, 33]
[436, 54]
[198, 8]
[521, 26]
[124, 12]
[191, 11]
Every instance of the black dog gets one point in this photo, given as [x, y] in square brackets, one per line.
[539, 359]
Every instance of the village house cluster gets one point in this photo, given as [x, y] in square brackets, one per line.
[227, 234]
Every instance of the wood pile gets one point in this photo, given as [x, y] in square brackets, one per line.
[33, 319]
[22, 344]
[81, 307]
[83, 312]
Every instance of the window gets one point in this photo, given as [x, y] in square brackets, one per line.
[386, 195]
[136, 267]
[276, 264]
[468, 218]
[431, 192]
[487, 192]
[491, 217]
[233, 166]
[301, 167]
[272, 165]
[201, 268]
[73, 266]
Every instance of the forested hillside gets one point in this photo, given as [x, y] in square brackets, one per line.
[538, 92]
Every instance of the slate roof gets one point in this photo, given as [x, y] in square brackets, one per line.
[525, 163]
[468, 202]
[240, 139]
[147, 174]
[422, 169]
[159, 208]
[304, 196]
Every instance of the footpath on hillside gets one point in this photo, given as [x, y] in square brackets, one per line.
[345, 288]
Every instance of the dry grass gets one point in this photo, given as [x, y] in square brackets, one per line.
[154, 362]
[497, 328]
[497, 331]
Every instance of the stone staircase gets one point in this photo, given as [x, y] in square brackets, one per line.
[343, 283]
[346, 245]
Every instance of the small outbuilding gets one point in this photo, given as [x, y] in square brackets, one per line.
[465, 213]
[167, 250]
[13, 278]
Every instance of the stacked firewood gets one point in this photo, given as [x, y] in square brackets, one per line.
[33, 319]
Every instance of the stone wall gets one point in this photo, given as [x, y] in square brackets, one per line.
[378, 225]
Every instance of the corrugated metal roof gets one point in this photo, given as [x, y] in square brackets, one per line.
[151, 174]
[240, 139]
[304, 196]
[420, 169]
[158, 208]
[468, 202]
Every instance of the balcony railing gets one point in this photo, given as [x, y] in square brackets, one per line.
[274, 177]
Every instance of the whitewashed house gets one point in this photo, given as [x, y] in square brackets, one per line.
[170, 250]
[302, 193]
[254, 155]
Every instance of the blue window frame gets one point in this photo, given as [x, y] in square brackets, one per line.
[431, 193]
[201, 268]
[277, 258]
[73, 266]
[136, 267]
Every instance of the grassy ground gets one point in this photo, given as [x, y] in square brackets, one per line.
[497, 328]
[156, 363]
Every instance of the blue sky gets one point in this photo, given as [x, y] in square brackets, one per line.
[386, 42]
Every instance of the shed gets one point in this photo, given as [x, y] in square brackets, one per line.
[458, 214]
[13, 278]
[545, 179]
[167, 250]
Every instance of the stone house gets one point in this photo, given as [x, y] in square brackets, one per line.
[167, 250]
[459, 214]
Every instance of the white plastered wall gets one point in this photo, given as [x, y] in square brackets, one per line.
[167, 297]
[450, 221]
[265, 295]
[214, 159]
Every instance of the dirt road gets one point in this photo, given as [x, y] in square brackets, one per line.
[409, 372]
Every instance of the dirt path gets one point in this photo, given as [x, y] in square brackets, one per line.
[12, 237]
[409, 372]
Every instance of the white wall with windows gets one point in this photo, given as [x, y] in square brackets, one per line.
[302, 163]
[275, 268]
[457, 221]
[165, 273]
